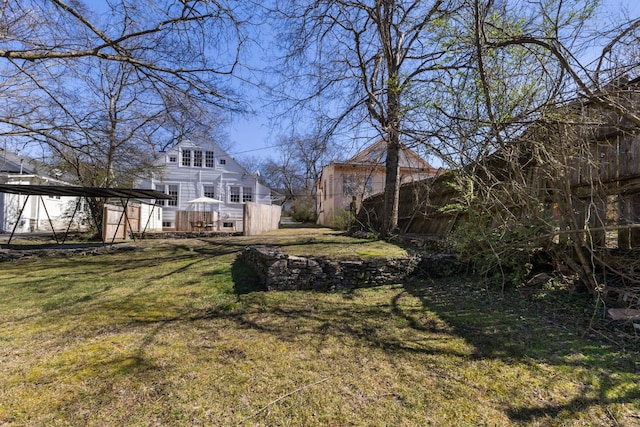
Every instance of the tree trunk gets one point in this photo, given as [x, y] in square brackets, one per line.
[392, 173]
[391, 186]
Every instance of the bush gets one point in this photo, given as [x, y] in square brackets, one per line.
[504, 253]
[343, 219]
[303, 210]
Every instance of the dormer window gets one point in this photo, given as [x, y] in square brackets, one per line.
[209, 160]
[173, 158]
[186, 157]
[197, 158]
[223, 161]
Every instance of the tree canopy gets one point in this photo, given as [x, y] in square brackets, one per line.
[119, 78]
[103, 86]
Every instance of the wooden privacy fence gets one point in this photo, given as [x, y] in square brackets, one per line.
[117, 224]
[196, 221]
[608, 217]
[419, 209]
[260, 218]
[600, 183]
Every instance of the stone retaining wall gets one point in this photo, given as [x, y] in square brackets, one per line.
[280, 271]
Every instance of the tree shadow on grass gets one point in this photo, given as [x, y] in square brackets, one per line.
[577, 404]
[245, 279]
[518, 327]
[371, 326]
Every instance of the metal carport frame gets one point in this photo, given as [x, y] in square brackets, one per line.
[74, 191]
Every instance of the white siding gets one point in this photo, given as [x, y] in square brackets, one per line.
[40, 212]
[150, 217]
[191, 180]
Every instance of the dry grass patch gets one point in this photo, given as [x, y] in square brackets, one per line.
[173, 335]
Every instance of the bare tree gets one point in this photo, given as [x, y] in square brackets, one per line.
[170, 43]
[297, 168]
[281, 174]
[170, 57]
[360, 61]
[104, 90]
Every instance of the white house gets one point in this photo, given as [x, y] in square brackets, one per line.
[204, 171]
[47, 208]
[39, 213]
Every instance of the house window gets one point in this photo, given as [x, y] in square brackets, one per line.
[234, 194]
[173, 158]
[209, 191]
[161, 189]
[227, 225]
[173, 192]
[197, 158]
[246, 195]
[209, 160]
[379, 156]
[330, 189]
[186, 157]
[223, 161]
[348, 185]
[166, 224]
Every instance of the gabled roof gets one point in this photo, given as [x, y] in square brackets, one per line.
[204, 145]
[376, 154]
[11, 162]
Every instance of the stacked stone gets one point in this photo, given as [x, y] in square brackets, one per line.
[280, 271]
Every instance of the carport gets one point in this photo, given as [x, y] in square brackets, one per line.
[124, 194]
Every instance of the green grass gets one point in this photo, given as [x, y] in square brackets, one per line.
[176, 334]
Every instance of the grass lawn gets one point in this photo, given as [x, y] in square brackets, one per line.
[177, 334]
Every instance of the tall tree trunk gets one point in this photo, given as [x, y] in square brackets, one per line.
[392, 174]
[392, 186]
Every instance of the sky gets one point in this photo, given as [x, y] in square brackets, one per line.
[253, 136]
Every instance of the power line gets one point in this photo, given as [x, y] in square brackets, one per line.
[255, 149]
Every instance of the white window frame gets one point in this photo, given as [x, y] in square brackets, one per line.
[161, 188]
[235, 192]
[197, 158]
[209, 159]
[211, 193]
[186, 157]
[173, 202]
[164, 188]
[247, 194]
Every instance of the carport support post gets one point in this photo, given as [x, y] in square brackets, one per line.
[123, 214]
[148, 219]
[128, 221]
[18, 219]
[48, 219]
[73, 215]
